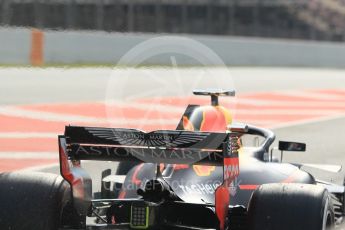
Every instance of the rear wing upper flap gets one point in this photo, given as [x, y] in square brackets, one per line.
[134, 137]
[162, 146]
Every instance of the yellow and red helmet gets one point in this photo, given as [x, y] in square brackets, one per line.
[211, 118]
[207, 118]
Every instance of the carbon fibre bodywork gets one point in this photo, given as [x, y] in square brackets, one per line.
[197, 183]
[191, 187]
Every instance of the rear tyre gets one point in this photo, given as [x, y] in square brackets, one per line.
[290, 207]
[32, 201]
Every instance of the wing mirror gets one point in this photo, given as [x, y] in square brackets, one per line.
[291, 146]
[288, 146]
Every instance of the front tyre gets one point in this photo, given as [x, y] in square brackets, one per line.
[290, 207]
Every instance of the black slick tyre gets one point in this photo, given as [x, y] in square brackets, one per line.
[32, 200]
[290, 207]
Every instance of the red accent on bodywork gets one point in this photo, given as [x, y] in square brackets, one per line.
[249, 186]
[180, 166]
[161, 167]
[222, 197]
[231, 170]
[135, 179]
[64, 164]
[222, 201]
[67, 173]
[291, 178]
[122, 195]
[231, 161]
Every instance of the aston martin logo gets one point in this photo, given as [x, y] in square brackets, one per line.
[152, 139]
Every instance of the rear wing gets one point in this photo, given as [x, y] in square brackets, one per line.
[161, 146]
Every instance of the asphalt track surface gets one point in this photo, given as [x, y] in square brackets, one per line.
[306, 105]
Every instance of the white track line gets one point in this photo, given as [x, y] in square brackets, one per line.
[306, 121]
[146, 106]
[259, 111]
[28, 155]
[311, 95]
[70, 119]
[298, 103]
[302, 111]
[46, 116]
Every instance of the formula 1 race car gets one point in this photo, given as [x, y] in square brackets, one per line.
[199, 176]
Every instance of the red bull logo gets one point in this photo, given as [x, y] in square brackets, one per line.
[202, 170]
